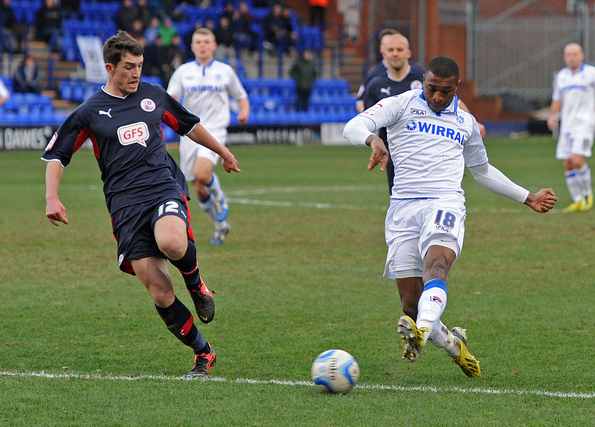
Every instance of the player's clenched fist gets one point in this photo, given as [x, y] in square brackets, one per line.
[55, 212]
[542, 201]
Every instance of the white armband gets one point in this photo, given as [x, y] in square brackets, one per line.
[494, 180]
[358, 129]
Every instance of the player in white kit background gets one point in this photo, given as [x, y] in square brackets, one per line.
[431, 141]
[204, 87]
[573, 104]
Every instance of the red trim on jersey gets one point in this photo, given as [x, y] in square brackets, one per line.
[96, 151]
[171, 121]
[187, 326]
[80, 138]
[189, 230]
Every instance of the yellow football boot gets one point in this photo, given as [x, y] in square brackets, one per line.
[587, 204]
[413, 339]
[466, 361]
[574, 207]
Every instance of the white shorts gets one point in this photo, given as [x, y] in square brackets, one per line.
[574, 142]
[190, 151]
[413, 225]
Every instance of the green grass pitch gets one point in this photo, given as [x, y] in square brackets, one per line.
[299, 274]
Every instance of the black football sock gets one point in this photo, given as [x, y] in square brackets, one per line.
[179, 321]
[189, 267]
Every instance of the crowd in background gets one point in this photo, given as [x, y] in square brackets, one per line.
[156, 24]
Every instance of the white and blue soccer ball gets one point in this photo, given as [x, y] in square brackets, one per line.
[335, 370]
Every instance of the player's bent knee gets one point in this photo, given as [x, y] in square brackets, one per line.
[173, 247]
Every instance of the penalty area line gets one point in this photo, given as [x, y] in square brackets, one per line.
[289, 383]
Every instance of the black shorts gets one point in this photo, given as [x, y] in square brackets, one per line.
[133, 229]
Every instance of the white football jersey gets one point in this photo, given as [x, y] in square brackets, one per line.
[576, 92]
[205, 91]
[429, 150]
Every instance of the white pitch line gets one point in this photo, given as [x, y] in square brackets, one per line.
[320, 205]
[290, 383]
[302, 189]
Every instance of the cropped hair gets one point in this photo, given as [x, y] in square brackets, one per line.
[443, 66]
[118, 44]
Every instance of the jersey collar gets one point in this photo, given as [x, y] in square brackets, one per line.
[452, 108]
[113, 96]
[205, 66]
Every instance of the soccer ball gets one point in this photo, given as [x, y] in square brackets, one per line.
[336, 370]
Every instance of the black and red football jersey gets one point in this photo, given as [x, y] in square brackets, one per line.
[135, 165]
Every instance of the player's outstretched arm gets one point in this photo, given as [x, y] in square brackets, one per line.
[54, 209]
[203, 137]
[491, 178]
[543, 201]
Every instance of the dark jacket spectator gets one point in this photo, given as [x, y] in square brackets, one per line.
[242, 28]
[26, 77]
[304, 73]
[8, 28]
[278, 29]
[224, 34]
[48, 21]
[127, 13]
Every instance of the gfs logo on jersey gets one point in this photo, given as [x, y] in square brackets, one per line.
[136, 133]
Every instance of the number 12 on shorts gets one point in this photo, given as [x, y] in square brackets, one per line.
[445, 219]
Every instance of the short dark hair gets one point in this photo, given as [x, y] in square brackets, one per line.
[118, 44]
[388, 32]
[443, 66]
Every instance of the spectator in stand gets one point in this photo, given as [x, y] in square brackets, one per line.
[152, 31]
[71, 8]
[152, 58]
[318, 13]
[126, 15]
[48, 22]
[278, 29]
[228, 11]
[224, 37]
[4, 94]
[8, 28]
[173, 57]
[144, 12]
[261, 3]
[138, 29]
[167, 31]
[242, 28]
[304, 73]
[26, 77]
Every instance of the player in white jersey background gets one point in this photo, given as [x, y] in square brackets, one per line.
[204, 87]
[431, 141]
[573, 104]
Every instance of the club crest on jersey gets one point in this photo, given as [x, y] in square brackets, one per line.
[136, 133]
[417, 112]
[434, 129]
[147, 105]
[416, 84]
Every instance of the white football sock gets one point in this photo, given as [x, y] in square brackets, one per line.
[208, 206]
[215, 187]
[442, 337]
[431, 305]
[574, 184]
[584, 174]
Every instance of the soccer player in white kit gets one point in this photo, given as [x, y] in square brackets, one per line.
[573, 102]
[204, 86]
[431, 141]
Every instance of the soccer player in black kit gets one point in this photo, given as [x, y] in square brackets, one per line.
[144, 190]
